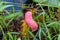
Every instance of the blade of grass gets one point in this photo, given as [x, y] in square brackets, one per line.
[30, 33]
[4, 36]
[2, 7]
[59, 37]
[9, 34]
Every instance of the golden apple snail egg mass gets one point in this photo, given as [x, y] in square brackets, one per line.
[30, 22]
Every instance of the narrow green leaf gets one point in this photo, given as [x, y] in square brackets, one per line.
[9, 34]
[30, 33]
[2, 7]
[59, 37]
[13, 15]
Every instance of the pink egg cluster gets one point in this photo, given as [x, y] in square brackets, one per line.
[30, 22]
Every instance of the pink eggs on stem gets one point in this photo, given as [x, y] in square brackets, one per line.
[30, 22]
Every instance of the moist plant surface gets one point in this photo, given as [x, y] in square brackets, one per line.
[37, 20]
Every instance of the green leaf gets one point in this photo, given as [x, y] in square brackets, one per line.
[3, 2]
[50, 3]
[13, 15]
[31, 33]
[9, 34]
[14, 33]
[2, 7]
[54, 2]
[59, 37]
[43, 13]
[40, 1]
